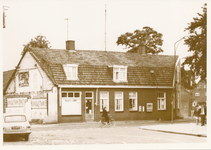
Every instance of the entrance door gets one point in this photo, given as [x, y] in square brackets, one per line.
[89, 98]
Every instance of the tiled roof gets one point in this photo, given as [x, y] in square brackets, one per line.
[95, 67]
[6, 78]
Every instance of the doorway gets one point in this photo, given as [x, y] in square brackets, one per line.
[89, 98]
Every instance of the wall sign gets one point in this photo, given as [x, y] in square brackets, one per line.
[38, 103]
[149, 107]
[141, 108]
[23, 79]
[16, 102]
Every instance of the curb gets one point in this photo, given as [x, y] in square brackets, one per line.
[192, 134]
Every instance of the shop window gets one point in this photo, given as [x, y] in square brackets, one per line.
[118, 101]
[71, 103]
[133, 101]
[104, 100]
[161, 101]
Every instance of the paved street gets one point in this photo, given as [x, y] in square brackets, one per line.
[83, 133]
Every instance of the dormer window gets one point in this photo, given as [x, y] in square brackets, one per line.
[120, 73]
[71, 71]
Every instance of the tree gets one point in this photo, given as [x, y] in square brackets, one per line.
[148, 37]
[188, 79]
[197, 43]
[39, 41]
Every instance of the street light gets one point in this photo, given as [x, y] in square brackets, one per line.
[174, 96]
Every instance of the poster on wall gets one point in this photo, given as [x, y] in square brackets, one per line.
[149, 107]
[38, 103]
[38, 113]
[23, 79]
[16, 102]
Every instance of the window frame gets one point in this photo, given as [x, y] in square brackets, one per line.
[136, 99]
[115, 102]
[159, 101]
[107, 103]
[119, 73]
[66, 68]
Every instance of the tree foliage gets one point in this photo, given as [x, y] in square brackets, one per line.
[39, 41]
[148, 37]
[197, 43]
[187, 80]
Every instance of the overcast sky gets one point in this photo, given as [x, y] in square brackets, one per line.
[26, 19]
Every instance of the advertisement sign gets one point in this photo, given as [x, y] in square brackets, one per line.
[38, 103]
[23, 79]
[149, 107]
[16, 102]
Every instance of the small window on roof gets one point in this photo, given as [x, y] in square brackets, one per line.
[71, 71]
[120, 73]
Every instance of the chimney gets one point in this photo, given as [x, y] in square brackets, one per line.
[70, 45]
[142, 49]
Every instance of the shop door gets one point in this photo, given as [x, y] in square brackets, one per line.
[89, 106]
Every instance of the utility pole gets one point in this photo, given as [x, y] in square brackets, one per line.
[67, 28]
[105, 27]
[4, 16]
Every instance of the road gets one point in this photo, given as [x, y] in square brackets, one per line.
[83, 134]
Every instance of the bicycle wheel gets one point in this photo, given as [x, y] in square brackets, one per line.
[112, 122]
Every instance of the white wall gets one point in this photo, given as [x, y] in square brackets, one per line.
[52, 106]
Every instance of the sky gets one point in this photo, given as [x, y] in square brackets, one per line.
[25, 19]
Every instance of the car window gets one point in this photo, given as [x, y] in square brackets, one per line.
[15, 118]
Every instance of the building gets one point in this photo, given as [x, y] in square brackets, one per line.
[68, 85]
[185, 102]
[198, 95]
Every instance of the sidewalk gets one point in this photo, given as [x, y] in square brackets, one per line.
[179, 128]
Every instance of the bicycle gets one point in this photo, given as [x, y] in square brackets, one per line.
[111, 123]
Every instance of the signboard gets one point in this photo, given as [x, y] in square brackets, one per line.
[38, 103]
[141, 108]
[149, 107]
[16, 102]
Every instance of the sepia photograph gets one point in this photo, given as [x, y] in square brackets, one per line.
[105, 74]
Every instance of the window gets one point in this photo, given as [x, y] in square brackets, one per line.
[197, 94]
[161, 101]
[120, 73]
[118, 101]
[104, 101]
[71, 71]
[132, 101]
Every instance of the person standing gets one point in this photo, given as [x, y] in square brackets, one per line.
[203, 114]
[196, 114]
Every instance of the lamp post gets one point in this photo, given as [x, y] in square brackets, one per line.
[174, 96]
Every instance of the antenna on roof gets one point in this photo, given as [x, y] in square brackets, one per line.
[67, 28]
[105, 27]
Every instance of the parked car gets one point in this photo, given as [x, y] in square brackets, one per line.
[16, 125]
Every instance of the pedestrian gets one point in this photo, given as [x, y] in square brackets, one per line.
[105, 115]
[196, 114]
[203, 114]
